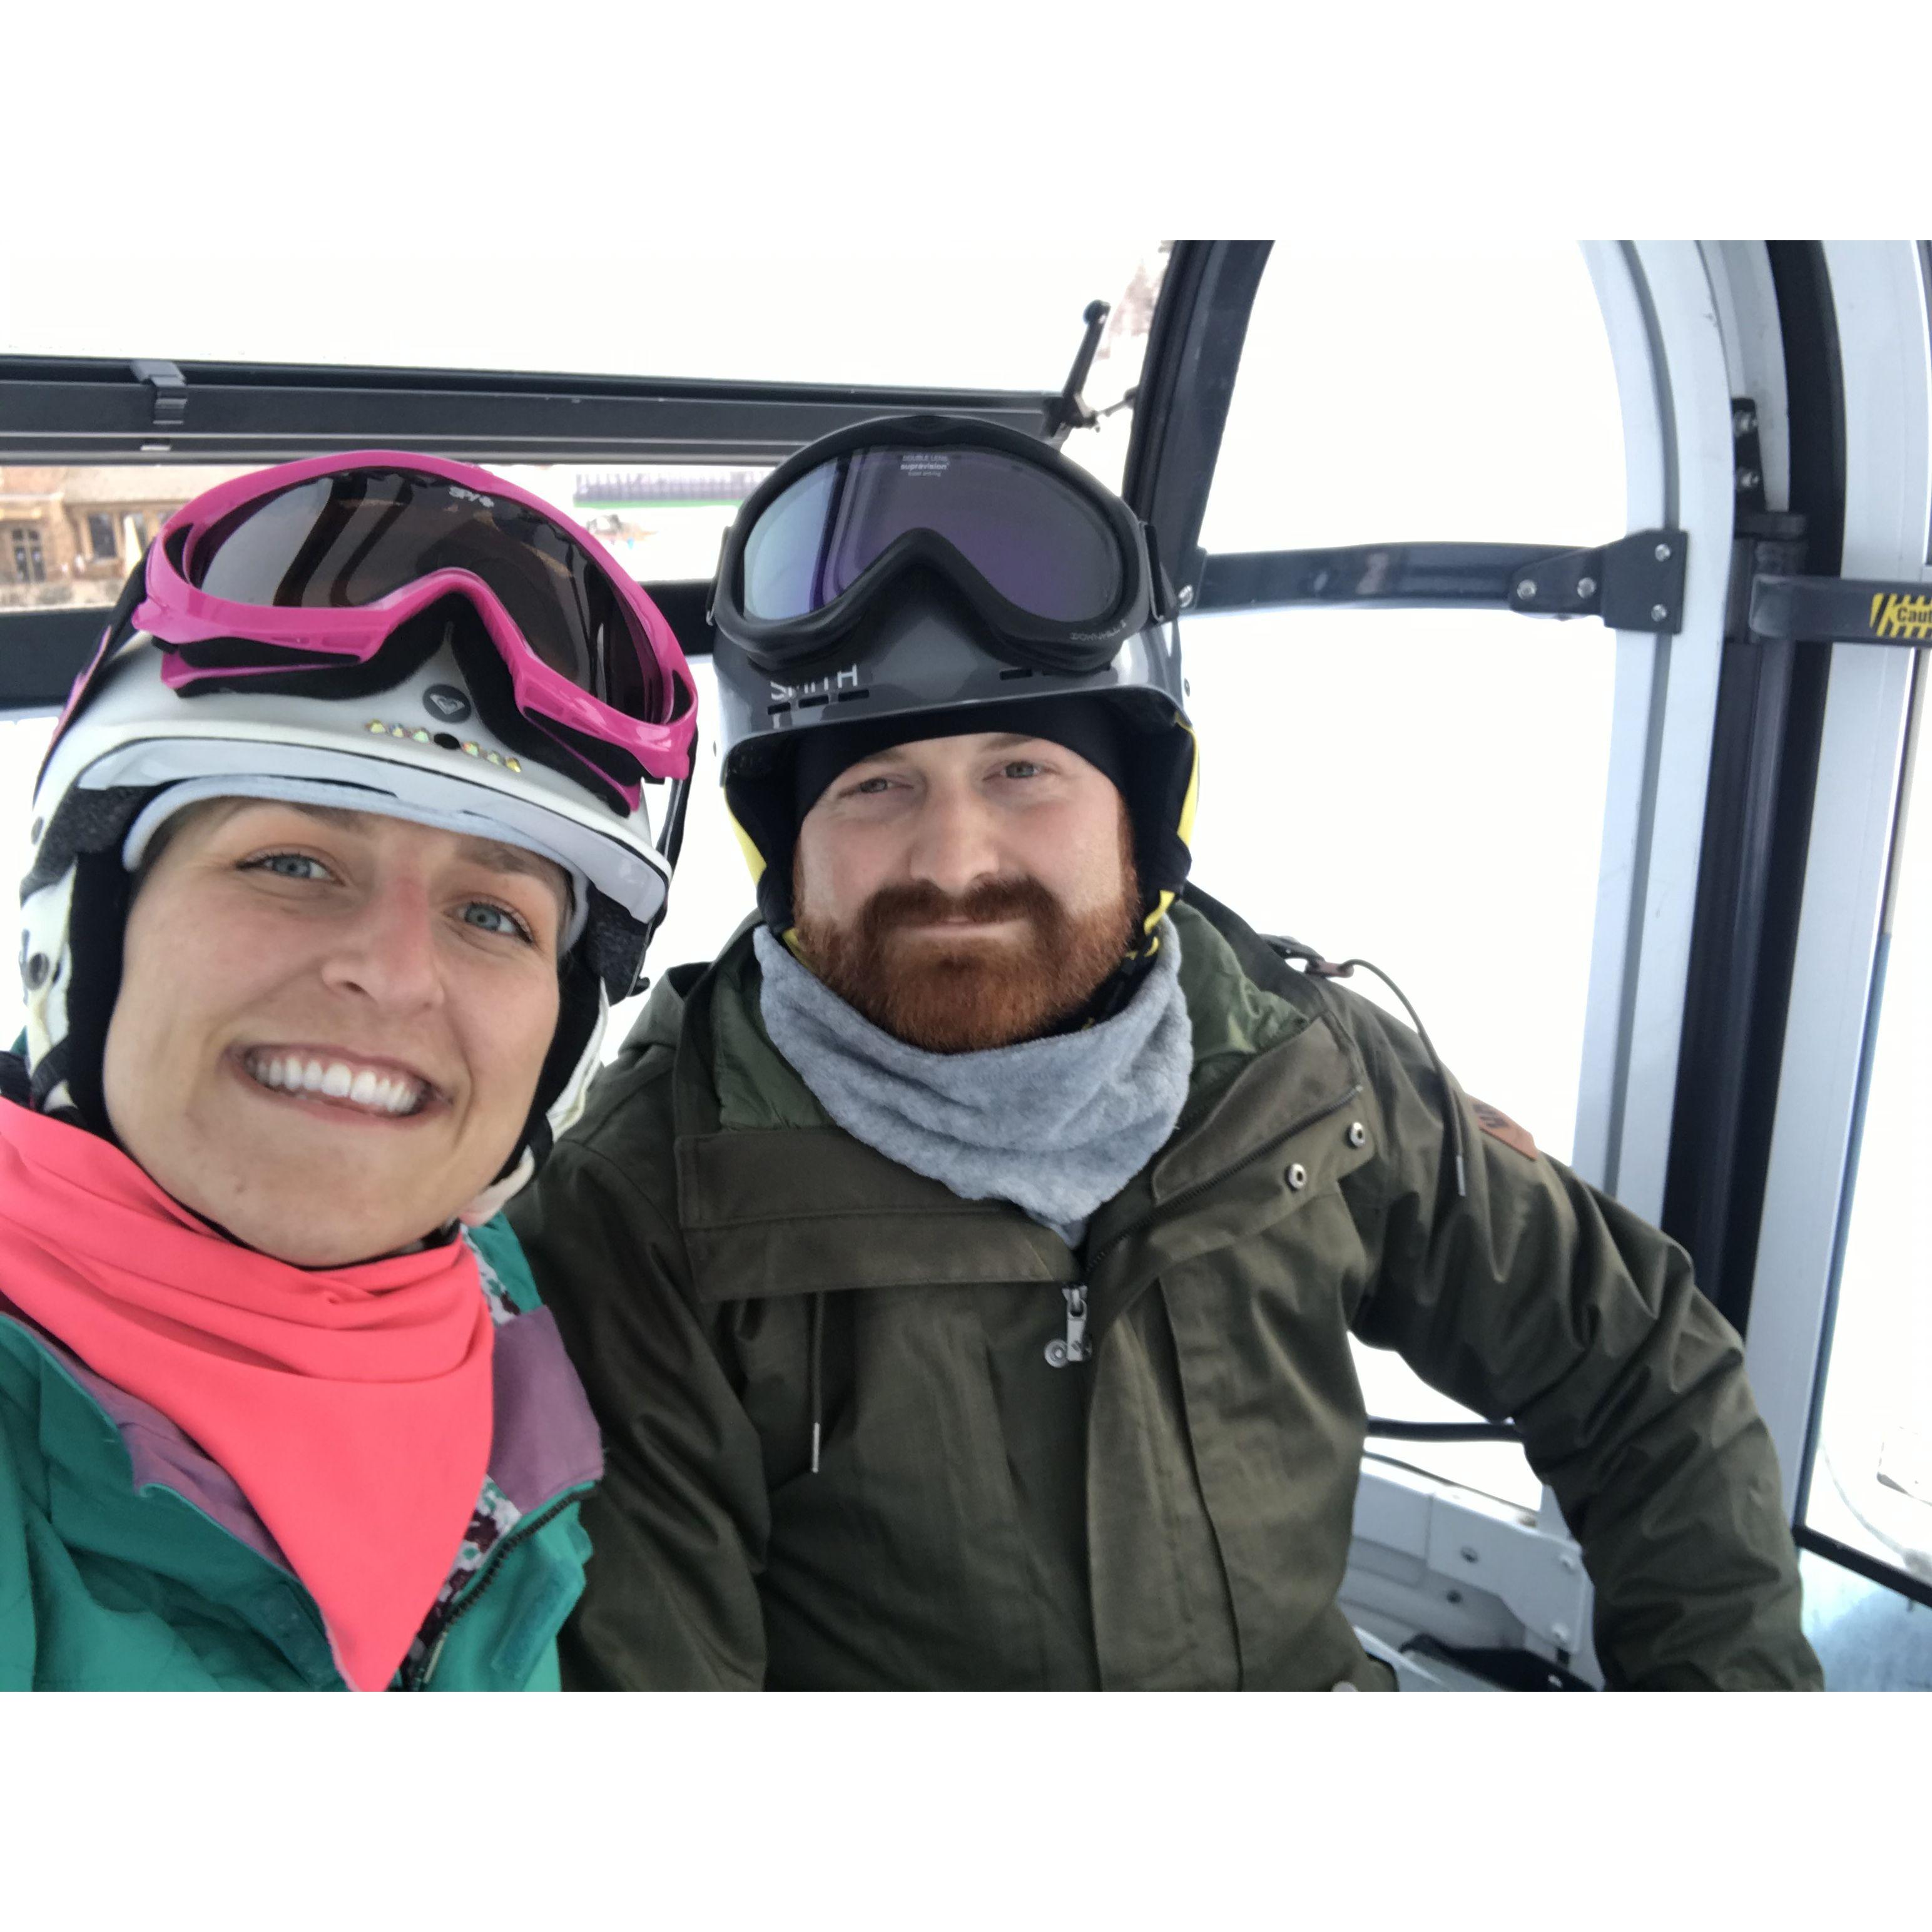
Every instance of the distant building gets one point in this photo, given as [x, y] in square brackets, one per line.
[70, 535]
[663, 485]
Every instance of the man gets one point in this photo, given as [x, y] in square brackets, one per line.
[963, 1265]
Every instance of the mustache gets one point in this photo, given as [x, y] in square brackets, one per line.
[984, 904]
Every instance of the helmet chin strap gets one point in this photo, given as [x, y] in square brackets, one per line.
[487, 1205]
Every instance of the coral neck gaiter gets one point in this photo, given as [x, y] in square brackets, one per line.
[352, 1405]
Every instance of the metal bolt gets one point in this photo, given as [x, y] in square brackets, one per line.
[1748, 479]
[1662, 553]
[1357, 1133]
[1468, 1554]
[1297, 1176]
[1560, 1632]
[1185, 596]
[1743, 423]
[1056, 1354]
[1586, 586]
[1658, 613]
[1526, 589]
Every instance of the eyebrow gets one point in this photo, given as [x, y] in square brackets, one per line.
[490, 853]
[1002, 741]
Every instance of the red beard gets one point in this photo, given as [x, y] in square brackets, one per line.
[962, 996]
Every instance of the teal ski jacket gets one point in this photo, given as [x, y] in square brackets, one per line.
[129, 1561]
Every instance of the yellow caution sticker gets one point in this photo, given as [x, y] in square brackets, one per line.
[1899, 614]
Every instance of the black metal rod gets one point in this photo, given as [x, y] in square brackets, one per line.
[1393, 576]
[75, 410]
[1870, 1567]
[1852, 611]
[1387, 1431]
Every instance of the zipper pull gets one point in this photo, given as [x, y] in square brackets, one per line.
[1075, 1348]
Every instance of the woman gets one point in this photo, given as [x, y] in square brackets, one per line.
[340, 854]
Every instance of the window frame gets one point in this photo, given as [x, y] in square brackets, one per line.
[1887, 376]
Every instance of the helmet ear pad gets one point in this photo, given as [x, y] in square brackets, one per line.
[579, 1018]
[758, 794]
[97, 925]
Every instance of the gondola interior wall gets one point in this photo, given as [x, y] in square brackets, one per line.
[1556, 618]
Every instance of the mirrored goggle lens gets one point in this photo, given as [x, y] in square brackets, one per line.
[352, 537]
[1039, 543]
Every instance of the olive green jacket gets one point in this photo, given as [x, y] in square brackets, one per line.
[724, 1263]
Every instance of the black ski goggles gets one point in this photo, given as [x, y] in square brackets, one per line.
[1058, 568]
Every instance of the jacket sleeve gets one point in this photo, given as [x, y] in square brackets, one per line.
[679, 1525]
[1537, 1299]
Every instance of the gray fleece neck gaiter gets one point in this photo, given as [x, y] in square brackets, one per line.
[1055, 1126]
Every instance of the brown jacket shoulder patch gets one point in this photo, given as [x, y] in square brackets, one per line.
[1494, 1121]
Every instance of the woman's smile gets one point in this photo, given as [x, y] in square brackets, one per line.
[341, 1083]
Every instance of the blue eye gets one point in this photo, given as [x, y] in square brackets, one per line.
[488, 918]
[289, 865]
[1022, 768]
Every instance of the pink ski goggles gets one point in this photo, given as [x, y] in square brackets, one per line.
[308, 569]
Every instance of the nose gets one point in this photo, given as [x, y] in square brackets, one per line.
[386, 950]
[956, 844]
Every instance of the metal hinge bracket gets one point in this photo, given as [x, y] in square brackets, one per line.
[1636, 584]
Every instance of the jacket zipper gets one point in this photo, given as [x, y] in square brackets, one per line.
[1075, 1348]
[1268, 1146]
[520, 1532]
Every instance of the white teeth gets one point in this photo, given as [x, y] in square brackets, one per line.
[380, 1093]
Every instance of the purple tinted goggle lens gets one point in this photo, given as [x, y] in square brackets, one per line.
[1036, 541]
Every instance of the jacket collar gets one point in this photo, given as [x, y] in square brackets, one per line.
[774, 1200]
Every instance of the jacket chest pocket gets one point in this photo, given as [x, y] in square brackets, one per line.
[1273, 1219]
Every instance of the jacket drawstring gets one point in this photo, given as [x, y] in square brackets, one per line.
[1320, 968]
[816, 1377]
